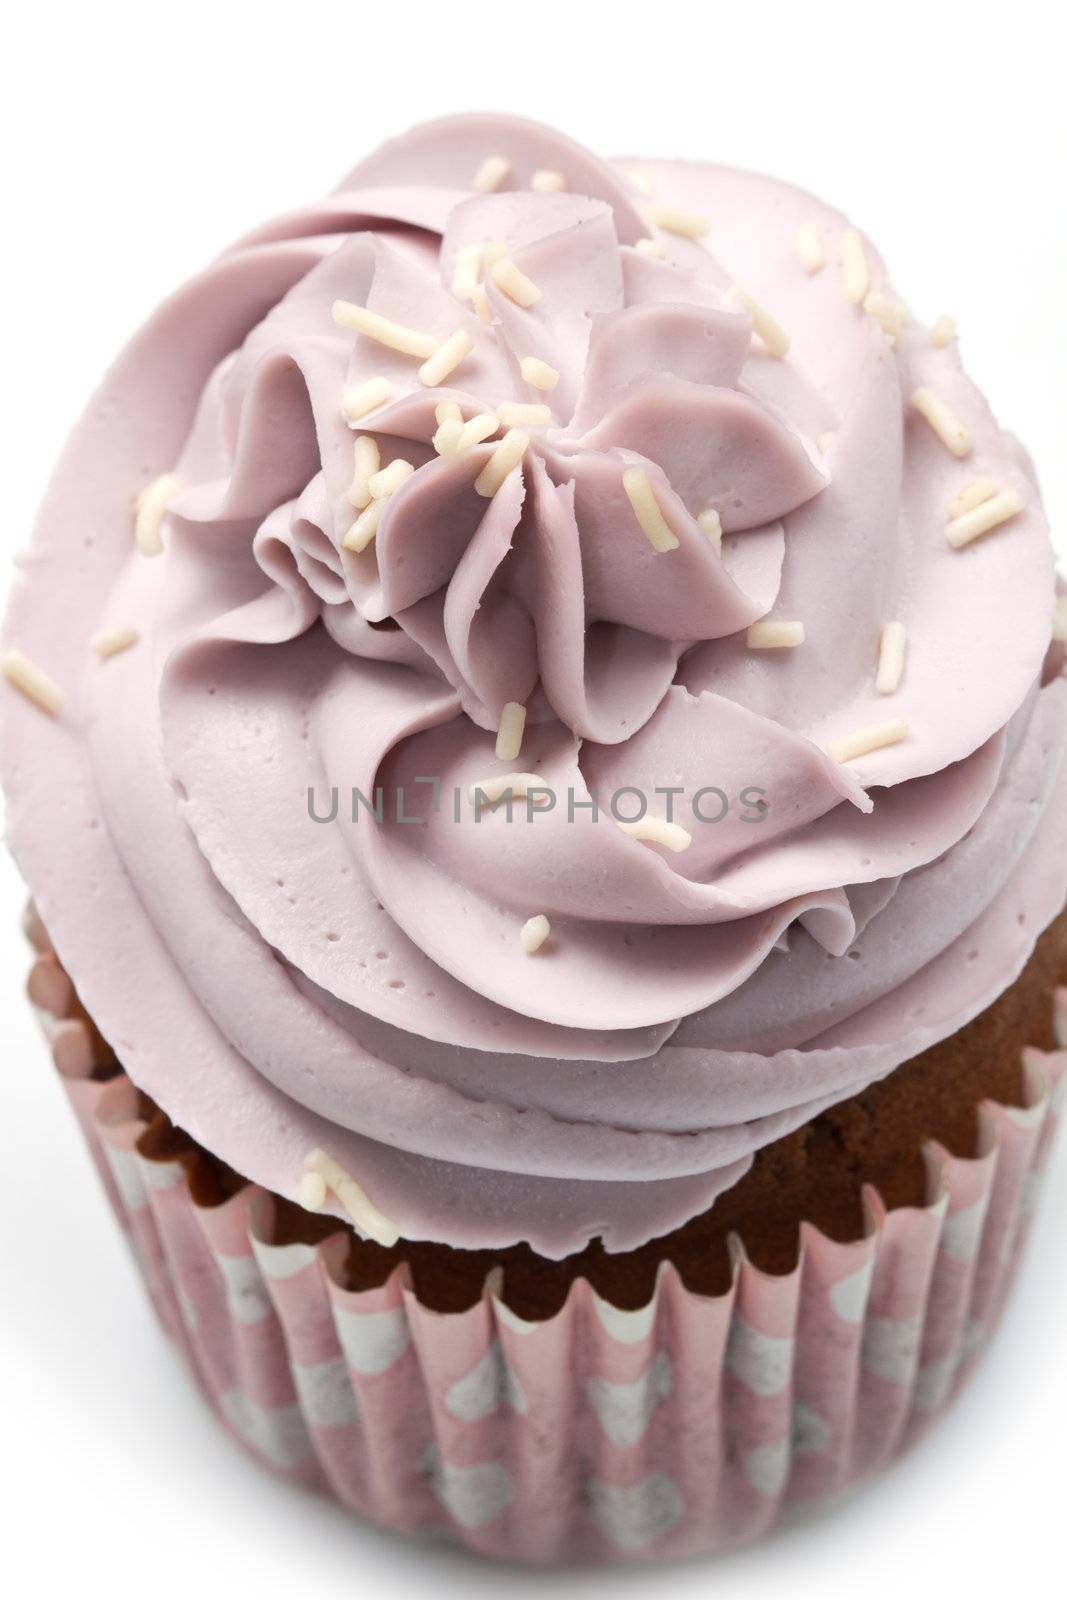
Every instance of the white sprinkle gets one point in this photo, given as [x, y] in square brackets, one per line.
[361, 1209]
[642, 180]
[890, 315]
[1059, 619]
[479, 428]
[547, 181]
[494, 250]
[151, 504]
[33, 682]
[513, 414]
[984, 518]
[450, 427]
[493, 171]
[971, 495]
[537, 373]
[366, 397]
[771, 332]
[891, 658]
[672, 219]
[647, 510]
[446, 359]
[365, 527]
[711, 525]
[809, 247]
[388, 480]
[855, 273]
[515, 284]
[504, 459]
[873, 737]
[446, 439]
[110, 641]
[651, 247]
[943, 332]
[775, 635]
[533, 934]
[657, 830]
[465, 271]
[481, 304]
[312, 1192]
[367, 460]
[516, 784]
[509, 733]
[408, 341]
[944, 421]
[825, 440]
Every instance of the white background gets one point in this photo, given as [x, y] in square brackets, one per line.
[139, 139]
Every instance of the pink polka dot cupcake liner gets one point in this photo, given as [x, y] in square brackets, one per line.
[600, 1435]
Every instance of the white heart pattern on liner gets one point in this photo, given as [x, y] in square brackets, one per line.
[632, 1518]
[485, 1388]
[277, 1433]
[624, 1410]
[472, 1495]
[372, 1340]
[326, 1396]
[762, 1361]
[848, 1296]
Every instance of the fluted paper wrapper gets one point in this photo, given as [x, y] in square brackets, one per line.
[690, 1425]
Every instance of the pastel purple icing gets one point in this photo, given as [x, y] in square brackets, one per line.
[278, 984]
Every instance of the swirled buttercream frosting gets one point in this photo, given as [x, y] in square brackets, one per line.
[536, 679]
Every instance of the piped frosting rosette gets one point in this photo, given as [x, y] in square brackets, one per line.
[494, 432]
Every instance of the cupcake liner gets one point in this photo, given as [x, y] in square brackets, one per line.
[689, 1425]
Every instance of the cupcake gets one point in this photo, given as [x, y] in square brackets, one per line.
[535, 731]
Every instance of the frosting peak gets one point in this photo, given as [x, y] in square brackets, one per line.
[649, 363]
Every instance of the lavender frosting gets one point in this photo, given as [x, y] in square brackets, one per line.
[278, 983]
